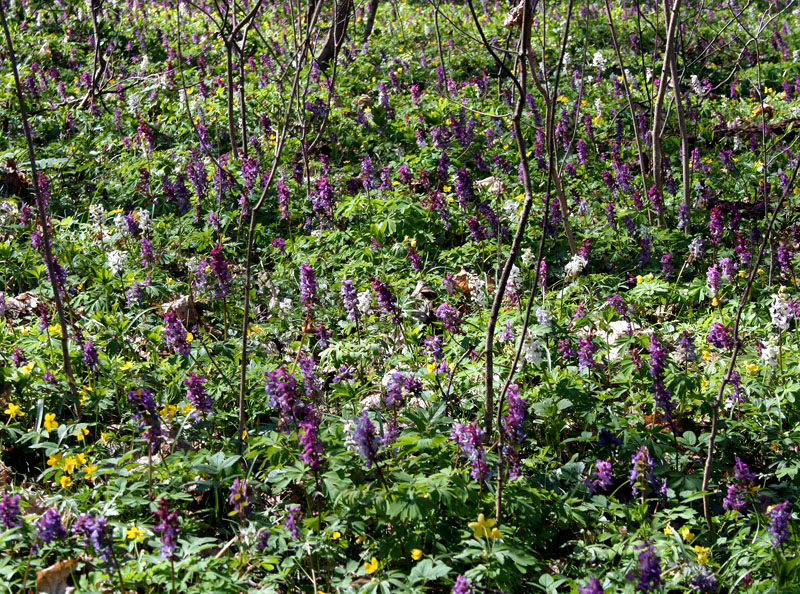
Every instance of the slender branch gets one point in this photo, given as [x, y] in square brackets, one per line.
[41, 206]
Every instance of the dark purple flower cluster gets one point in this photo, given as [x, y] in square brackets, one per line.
[703, 581]
[462, 586]
[469, 438]
[367, 442]
[281, 388]
[641, 475]
[649, 573]
[308, 285]
[90, 356]
[218, 267]
[146, 415]
[449, 317]
[93, 530]
[196, 394]
[350, 300]
[283, 198]
[9, 511]
[293, 517]
[386, 299]
[591, 586]
[658, 365]
[686, 349]
[601, 477]
[175, 333]
[586, 350]
[312, 451]
[720, 336]
[239, 499]
[50, 527]
[744, 483]
[168, 528]
[779, 517]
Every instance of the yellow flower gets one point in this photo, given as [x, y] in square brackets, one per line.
[706, 355]
[686, 533]
[65, 481]
[134, 533]
[54, 460]
[751, 367]
[361, 539]
[89, 470]
[416, 554]
[639, 279]
[371, 566]
[431, 367]
[715, 302]
[702, 554]
[14, 411]
[70, 464]
[668, 531]
[446, 188]
[26, 369]
[81, 458]
[562, 99]
[495, 534]
[336, 535]
[80, 434]
[742, 273]
[126, 366]
[482, 527]
[189, 337]
[50, 422]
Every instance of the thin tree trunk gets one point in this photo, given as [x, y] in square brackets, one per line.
[686, 175]
[658, 177]
[41, 206]
[372, 10]
[336, 34]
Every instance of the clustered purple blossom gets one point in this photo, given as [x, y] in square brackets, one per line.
[175, 333]
[367, 441]
[449, 317]
[308, 285]
[744, 483]
[293, 517]
[469, 438]
[350, 300]
[218, 266]
[513, 426]
[586, 350]
[462, 586]
[90, 356]
[658, 364]
[50, 527]
[308, 434]
[93, 530]
[168, 528]
[281, 388]
[686, 348]
[196, 394]
[238, 499]
[641, 475]
[386, 299]
[720, 336]
[601, 477]
[146, 415]
[779, 518]
[649, 574]
[9, 511]
[591, 586]
[703, 581]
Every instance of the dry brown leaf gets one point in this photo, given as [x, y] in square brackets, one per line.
[53, 579]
